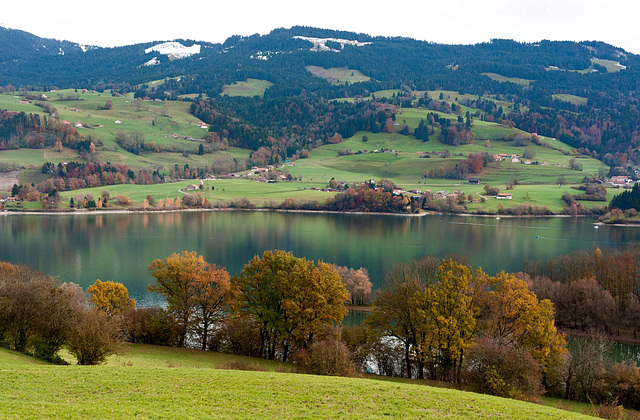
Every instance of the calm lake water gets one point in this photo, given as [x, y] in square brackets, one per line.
[80, 248]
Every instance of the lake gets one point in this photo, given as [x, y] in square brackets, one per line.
[81, 248]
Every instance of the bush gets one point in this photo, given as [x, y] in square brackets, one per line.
[503, 370]
[122, 200]
[236, 336]
[327, 357]
[94, 337]
[150, 326]
[241, 365]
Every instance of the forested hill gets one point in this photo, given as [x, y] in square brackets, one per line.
[584, 93]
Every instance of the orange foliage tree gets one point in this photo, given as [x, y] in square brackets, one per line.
[197, 293]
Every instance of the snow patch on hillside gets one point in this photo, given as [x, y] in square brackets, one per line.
[264, 55]
[153, 62]
[319, 44]
[174, 50]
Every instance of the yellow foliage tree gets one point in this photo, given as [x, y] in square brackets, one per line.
[110, 297]
[514, 315]
[446, 310]
[291, 299]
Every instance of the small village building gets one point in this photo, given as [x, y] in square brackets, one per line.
[474, 180]
[504, 196]
[78, 125]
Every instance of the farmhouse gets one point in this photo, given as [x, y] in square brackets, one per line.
[504, 196]
[191, 187]
[78, 125]
[618, 181]
[474, 180]
[74, 110]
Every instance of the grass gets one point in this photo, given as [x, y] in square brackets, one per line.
[156, 119]
[517, 80]
[610, 65]
[249, 88]
[146, 386]
[576, 100]
[338, 75]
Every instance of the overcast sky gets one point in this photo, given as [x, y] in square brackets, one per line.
[121, 22]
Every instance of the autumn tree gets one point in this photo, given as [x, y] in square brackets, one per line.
[446, 310]
[513, 315]
[173, 276]
[197, 292]
[36, 313]
[110, 297]
[291, 300]
[357, 283]
[402, 310]
[211, 297]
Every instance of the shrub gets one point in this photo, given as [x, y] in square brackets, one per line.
[241, 365]
[150, 326]
[327, 357]
[94, 337]
[500, 369]
[122, 200]
[237, 336]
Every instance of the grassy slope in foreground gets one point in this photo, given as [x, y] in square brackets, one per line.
[138, 389]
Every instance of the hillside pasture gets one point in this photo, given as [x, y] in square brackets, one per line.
[517, 80]
[576, 100]
[247, 88]
[338, 75]
[154, 382]
[610, 65]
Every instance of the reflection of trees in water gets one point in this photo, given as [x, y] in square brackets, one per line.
[83, 247]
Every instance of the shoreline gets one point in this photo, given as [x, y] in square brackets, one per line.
[360, 213]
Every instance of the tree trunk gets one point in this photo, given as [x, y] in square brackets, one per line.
[407, 359]
[205, 333]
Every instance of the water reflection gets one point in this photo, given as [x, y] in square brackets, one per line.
[119, 247]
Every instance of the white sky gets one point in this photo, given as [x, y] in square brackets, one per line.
[121, 22]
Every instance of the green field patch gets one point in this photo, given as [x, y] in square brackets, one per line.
[338, 75]
[155, 382]
[517, 80]
[610, 65]
[248, 88]
[576, 100]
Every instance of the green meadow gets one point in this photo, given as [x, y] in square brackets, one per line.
[338, 75]
[576, 100]
[158, 121]
[249, 88]
[158, 382]
[517, 80]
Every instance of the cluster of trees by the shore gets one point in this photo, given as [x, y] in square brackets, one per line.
[433, 318]
[592, 289]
